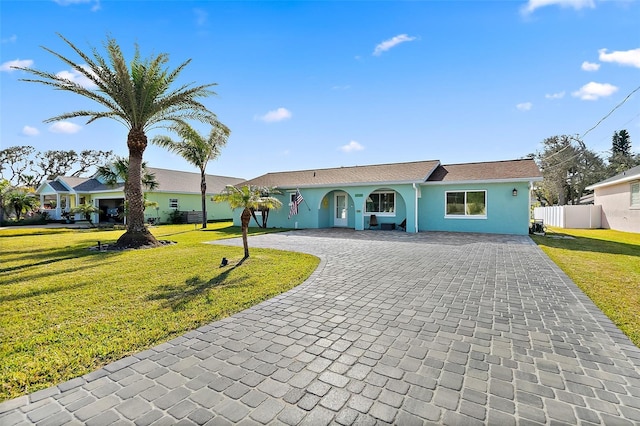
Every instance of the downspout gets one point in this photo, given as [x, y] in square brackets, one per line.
[530, 212]
[415, 206]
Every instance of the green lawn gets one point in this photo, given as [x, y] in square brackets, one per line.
[605, 264]
[66, 310]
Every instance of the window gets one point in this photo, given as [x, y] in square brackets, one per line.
[173, 203]
[466, 203]
[381, 202]
[635, 194]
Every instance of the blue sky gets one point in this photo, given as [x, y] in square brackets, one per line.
[306, 85]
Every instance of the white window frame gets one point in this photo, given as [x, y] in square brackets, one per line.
[388, 214]
[465, 215]
[634, 199]
[173, 203]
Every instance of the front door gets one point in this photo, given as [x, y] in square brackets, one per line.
[340, 218]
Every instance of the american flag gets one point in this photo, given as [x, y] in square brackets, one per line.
[296, 202]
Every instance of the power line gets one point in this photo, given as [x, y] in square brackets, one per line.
[579, 138]
[611, 112]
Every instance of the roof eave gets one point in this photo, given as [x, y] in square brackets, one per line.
[615, 182]
[350, 184]
[475, 181]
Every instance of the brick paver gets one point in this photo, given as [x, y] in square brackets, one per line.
[436, 328]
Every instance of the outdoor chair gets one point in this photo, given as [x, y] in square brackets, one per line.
[403, 225]
[373, 221]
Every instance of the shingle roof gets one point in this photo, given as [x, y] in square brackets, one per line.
[495, 170]
[627, 175]
[168, 181]
[381, 173]
[58, 186]
[177, 181]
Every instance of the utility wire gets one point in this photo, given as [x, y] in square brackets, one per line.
[579, 138]
[611, 112]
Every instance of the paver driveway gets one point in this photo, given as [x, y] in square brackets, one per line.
[391, 328]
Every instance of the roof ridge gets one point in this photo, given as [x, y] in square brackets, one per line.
[488, 162]
[352, 167]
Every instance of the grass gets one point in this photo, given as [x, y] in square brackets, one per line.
[605, 264]
[66, 310]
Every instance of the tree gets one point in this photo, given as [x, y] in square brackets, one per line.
[86, 210]
[621, 158]
[21, 201]
[137, 94]
[16, 159]
[49, 164]
[197, 151]
[567, 168]
[265, 191]
[118, 172]
[247, 198]
[5, 187]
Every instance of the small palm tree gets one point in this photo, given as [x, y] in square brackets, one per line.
[137, 94]
[22, 201]
[264, 209]
[197, 151]
[247, 198]
[118, 172]
[86, 210]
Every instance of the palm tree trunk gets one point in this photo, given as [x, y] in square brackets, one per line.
[245, 217]
[203, 190]
[137, 234]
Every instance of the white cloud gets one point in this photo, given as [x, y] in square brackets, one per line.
[95, 7]
[622, 57]
[30, 131]
[590, 66]
[8, 66]
[77, 77]
[351, 146]
[575, 4]
[64, 127]
[201, 16]
[392, 42]
[593, 91]
[558, 95]
[11, 39]
[279, 114]
[524, 106]
[346, 87]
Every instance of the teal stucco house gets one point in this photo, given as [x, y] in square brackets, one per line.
[489, 197]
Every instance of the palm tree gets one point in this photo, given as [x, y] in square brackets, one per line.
[118, 171]
[247, 198]
[197, 151]
[86, 210]
[22, 201]
[140, 96]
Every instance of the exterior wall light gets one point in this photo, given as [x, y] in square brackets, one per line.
[515, 192]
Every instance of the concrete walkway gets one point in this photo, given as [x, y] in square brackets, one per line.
[434, 328]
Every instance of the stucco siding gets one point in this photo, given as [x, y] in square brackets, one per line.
[318, 210]
[186, 202]
[505, 213]
[617, 212]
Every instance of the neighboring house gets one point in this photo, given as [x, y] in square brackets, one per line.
[619, 197]
[176, 191]
[491, 197]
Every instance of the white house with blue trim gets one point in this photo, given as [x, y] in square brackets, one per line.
[490, 197]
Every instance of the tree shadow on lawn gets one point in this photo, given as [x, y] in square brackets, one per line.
[177, 297]
[40, 292]
[587, 244]
[47, 256]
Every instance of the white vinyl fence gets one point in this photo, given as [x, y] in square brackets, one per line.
[584, 217]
